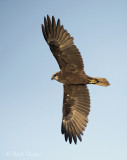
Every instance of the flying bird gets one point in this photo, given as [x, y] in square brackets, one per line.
[76, 100]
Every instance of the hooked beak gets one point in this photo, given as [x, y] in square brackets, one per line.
[52, 78]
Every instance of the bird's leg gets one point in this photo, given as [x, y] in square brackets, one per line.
[93, 81]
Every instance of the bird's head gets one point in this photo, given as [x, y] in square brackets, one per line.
[55, 76]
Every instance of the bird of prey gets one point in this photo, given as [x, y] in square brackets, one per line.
[76, 100]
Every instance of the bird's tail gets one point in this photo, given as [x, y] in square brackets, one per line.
[99, 81]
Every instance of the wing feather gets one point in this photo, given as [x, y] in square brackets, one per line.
[54, 27]
[76, 107]
[63, 36]
[70, 133]
[62, 45]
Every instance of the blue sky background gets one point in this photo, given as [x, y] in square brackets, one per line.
[31, 104]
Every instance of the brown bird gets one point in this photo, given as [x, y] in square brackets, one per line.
[76, 101]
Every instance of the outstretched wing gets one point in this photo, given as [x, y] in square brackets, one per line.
[61, 45]
[76, 107]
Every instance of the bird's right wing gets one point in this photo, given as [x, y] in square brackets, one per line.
[76, 107]
[61, 45]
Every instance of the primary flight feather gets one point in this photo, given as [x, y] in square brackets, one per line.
[76, 101]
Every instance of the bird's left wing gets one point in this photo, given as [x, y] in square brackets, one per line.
[62, 45]
[76, 107]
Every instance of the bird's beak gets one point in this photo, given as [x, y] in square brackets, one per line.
[52, 78]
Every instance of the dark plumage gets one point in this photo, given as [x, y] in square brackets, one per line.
[76, 102]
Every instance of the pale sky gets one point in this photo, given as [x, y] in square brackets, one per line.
[31, 104]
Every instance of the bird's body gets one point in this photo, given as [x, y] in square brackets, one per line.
[69, 77]
[76, 101]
